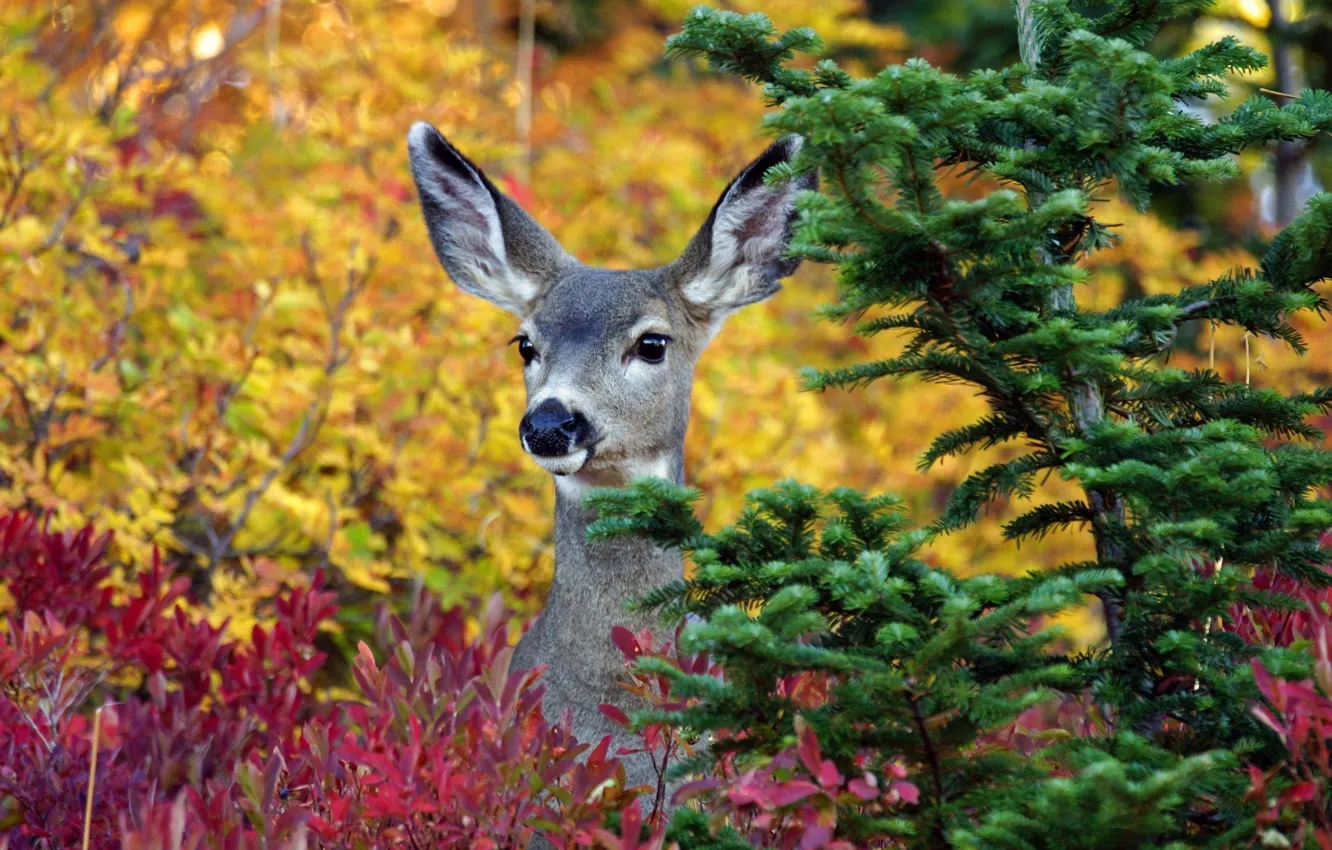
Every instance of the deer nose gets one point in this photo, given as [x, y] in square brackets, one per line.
[550, 429]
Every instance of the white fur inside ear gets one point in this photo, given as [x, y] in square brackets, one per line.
[748, 235]
[472, 241]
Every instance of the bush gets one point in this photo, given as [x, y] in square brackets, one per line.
[225, 744]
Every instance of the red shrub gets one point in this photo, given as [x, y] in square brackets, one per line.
[208, 742]
[1294, 794]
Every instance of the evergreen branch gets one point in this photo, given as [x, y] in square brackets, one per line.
[1043, 519]
[987, 433]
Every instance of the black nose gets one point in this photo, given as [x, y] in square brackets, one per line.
[550, 429]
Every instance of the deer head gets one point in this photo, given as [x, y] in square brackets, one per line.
[608, 356]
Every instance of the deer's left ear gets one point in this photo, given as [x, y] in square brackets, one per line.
[738, 256]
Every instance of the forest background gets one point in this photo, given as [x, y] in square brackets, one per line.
[223, 333]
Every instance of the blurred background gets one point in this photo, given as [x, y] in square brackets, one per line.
[224, 336]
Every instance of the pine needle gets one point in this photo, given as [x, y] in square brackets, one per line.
[1276, 93]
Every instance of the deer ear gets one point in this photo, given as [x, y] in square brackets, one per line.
[738, 256]
[484, 240]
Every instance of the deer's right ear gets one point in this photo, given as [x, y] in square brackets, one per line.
[485, 241]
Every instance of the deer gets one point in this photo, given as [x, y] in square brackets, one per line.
[608, 359]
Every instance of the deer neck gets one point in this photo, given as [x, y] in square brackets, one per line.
[594, 579]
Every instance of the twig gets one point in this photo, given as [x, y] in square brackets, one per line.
[22, 169]
[92, 778]
[32, 724]
[272, 34]
[932, 758]
[526, 55]
[312, 420]
[18, 177]
[25, 403]
[1276, 93]
[118, 329]
[299, 443]
[123, 78]
[233, 388]
[1246, 358]
[101, 21]
[58, 229]
[49, 413]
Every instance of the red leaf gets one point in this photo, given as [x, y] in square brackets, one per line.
[1301, 792]
[747, 793]
[809, 751]
[690, 790]
[866, 789]
[1257, 784]
[815, 837]
[1264, 680]
[598, 755]
[791, 792]
[829, 777]
[625, 641]
[1269, 720]
[615, 715]
[907, 791]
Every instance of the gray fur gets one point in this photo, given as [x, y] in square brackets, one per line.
[584, 324]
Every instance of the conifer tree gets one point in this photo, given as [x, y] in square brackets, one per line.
[1189, 481]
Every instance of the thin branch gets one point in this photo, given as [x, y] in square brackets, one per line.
[123, 78]
[1289, 156]
[22, 168]
[92, 777]
[58, 228]
[101, 21]
[221, 545]
[233, 388]
[1029, 36]
[38, 732]
[936, 771]
[118, 329]
[332, 527]
[526, 57]
[49, 414]
[25, 403]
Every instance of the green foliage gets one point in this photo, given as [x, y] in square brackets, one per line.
[1106, 803]
[1188, 485]
[820, 587]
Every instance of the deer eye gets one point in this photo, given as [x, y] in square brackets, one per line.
[651, 348]
[525, 349]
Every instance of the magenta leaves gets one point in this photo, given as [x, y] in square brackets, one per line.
[207, 741]
[1293, 796]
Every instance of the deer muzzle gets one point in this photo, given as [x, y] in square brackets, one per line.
[557, 437]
